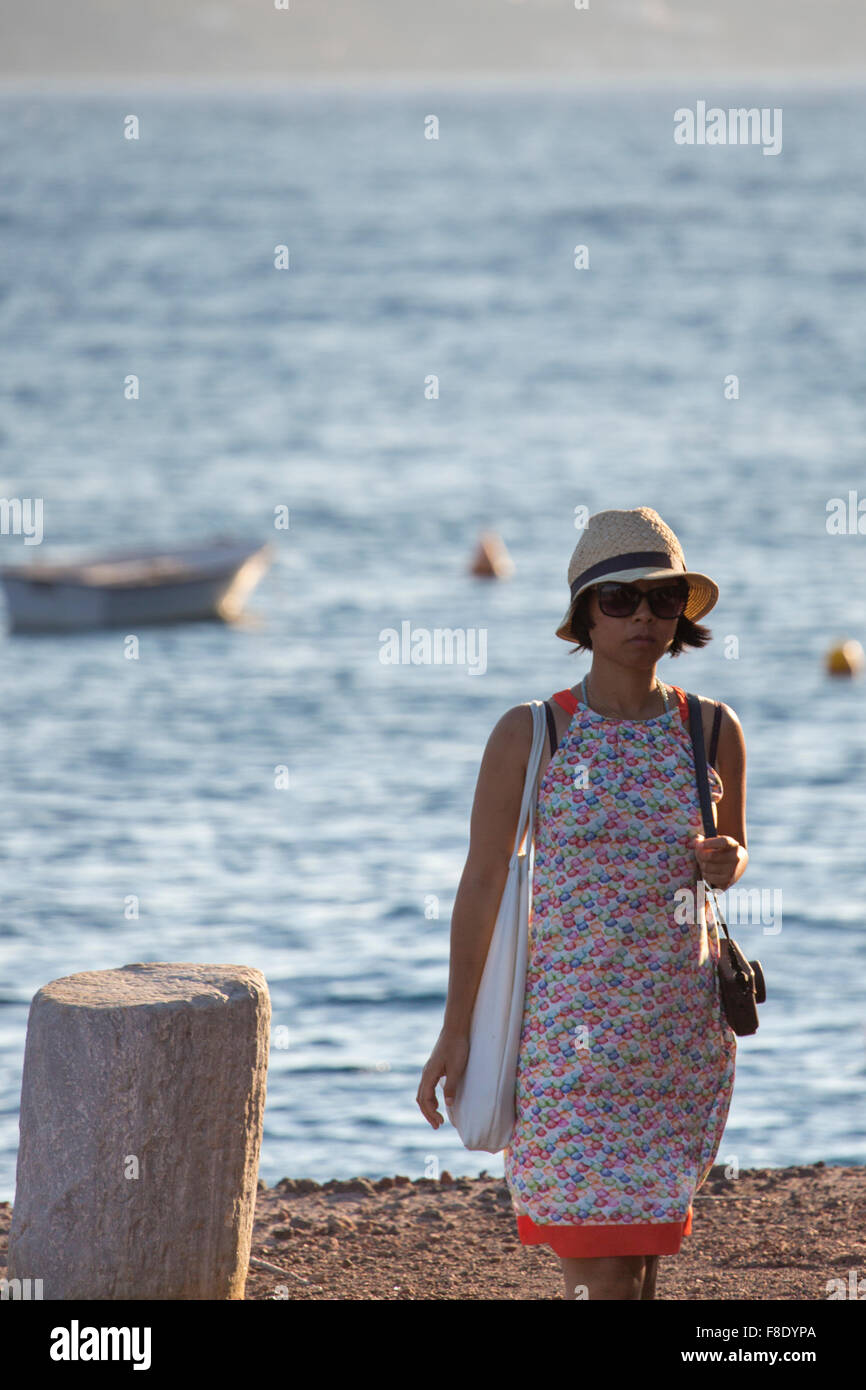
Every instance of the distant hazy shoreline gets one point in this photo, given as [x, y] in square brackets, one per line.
[366, 82]
[343, 41]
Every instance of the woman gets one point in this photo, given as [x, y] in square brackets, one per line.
[626, 1063]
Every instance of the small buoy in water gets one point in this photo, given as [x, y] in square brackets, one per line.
[491, 559]
[845, 659]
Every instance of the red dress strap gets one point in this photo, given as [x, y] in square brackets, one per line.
[683, 704]
[566, 699]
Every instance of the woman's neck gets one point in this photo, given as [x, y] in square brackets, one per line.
[623, 694]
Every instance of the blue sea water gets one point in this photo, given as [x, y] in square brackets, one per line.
[307, 388]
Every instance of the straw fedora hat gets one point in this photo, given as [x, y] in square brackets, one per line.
[627, 545]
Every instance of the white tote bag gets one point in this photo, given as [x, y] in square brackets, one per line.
[483, 1109]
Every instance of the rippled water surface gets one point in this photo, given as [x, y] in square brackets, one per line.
[410, 259]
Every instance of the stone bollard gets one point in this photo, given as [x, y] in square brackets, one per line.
[142, 1106]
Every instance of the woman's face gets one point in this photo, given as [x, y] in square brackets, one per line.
[618, 638]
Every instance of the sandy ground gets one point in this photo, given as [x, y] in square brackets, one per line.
[773, 1233]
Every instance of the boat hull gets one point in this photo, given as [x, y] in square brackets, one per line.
[73, 605]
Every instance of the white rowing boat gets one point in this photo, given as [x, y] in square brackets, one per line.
[134, 587]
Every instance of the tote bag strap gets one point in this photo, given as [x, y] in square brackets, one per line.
[530, 791]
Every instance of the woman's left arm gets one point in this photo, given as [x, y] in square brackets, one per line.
[723, 858]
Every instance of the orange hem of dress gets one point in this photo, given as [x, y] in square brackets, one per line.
[576, 1242]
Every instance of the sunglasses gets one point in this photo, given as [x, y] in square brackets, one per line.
[621, 600]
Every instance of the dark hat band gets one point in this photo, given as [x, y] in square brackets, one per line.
[659, 559]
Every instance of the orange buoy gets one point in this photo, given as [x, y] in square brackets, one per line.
[845, 659]
[491, 559]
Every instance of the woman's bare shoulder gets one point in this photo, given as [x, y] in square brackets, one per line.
[729, 715]
[513, 729]
[731, 741]
[510, 740]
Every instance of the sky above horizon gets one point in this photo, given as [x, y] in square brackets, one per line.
[230, 40]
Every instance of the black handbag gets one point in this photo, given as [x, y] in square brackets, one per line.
[741, 981]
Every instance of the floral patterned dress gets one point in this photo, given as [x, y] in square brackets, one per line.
[626, 1064]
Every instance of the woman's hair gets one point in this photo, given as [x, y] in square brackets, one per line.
[687, 634]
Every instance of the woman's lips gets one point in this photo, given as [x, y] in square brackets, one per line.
[648, 640]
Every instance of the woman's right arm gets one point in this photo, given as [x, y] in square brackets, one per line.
[493, 826]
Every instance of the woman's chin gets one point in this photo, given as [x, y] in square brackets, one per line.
[642, 653]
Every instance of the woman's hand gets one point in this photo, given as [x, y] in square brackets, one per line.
[718, 859]
[447, 1059]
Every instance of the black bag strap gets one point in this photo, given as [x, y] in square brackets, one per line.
[714, 740]
[696, 729]
[551, 726]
